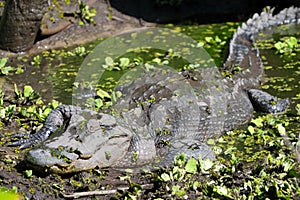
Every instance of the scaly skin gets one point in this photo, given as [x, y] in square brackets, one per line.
[166, 113]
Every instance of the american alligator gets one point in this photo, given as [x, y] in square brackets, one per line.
[166, 113]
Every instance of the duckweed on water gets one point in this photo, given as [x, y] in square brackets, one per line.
[287, 46]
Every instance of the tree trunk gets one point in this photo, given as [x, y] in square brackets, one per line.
[20, 23]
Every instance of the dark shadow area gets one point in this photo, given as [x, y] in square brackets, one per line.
[200, 11]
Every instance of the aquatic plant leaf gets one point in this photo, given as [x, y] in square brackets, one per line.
[251, 130]
[291, 42]
[258, 122]
[206, 164]
[281, 129]
[102, 94]
[124, 62]
[6, 70]
[191, 166]
[109, 61]
[98, 103]
[165, 177]
[3, 62]
[27, 90]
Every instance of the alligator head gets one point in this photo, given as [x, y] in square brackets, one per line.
[91, 139]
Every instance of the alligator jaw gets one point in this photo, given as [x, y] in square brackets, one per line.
[62, 160]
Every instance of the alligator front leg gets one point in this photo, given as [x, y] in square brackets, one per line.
[264, 102]
[54, 121]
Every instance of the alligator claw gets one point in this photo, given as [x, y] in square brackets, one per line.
[25, 140]
[53, 122]
[32, 139]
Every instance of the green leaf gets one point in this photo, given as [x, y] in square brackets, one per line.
[102, 94]
[251, 130]
[46, 112]
[36, 59]
[177, 191]
[258, 122]
[54, 103]
[6, 70]
[298, 109]
[195, 185]
[206, 164]
[27, 91]
[211, 141]
[180, 160]
[115, 96]
[9, 194]
[3, 62]
[209, 39]
[222, 190]
[279, 45]
[291, 42]
[16, 90]
[157, 60]
[217, 39]
[98, 103]
[200, 44]
[2, 113]
[281, 129]
[109, 16]
[165, 177]
[124, 62]
[28, 173]
[191, 166]
[80, 23]
[109, 61]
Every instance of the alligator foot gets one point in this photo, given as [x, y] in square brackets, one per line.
[55, 121]
[265, 102]
[21, 140]
[28, 140]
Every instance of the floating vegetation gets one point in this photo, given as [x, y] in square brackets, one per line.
[287, 45]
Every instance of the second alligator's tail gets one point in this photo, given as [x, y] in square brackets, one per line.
[242, 53]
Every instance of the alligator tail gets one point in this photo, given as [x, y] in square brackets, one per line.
[54, 122]
[242, 52]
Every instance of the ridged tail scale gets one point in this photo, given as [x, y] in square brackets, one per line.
[242, 53]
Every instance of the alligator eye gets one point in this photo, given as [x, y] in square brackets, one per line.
[193, 146]
[118, 136]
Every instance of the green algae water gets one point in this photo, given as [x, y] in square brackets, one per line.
[54, 73]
